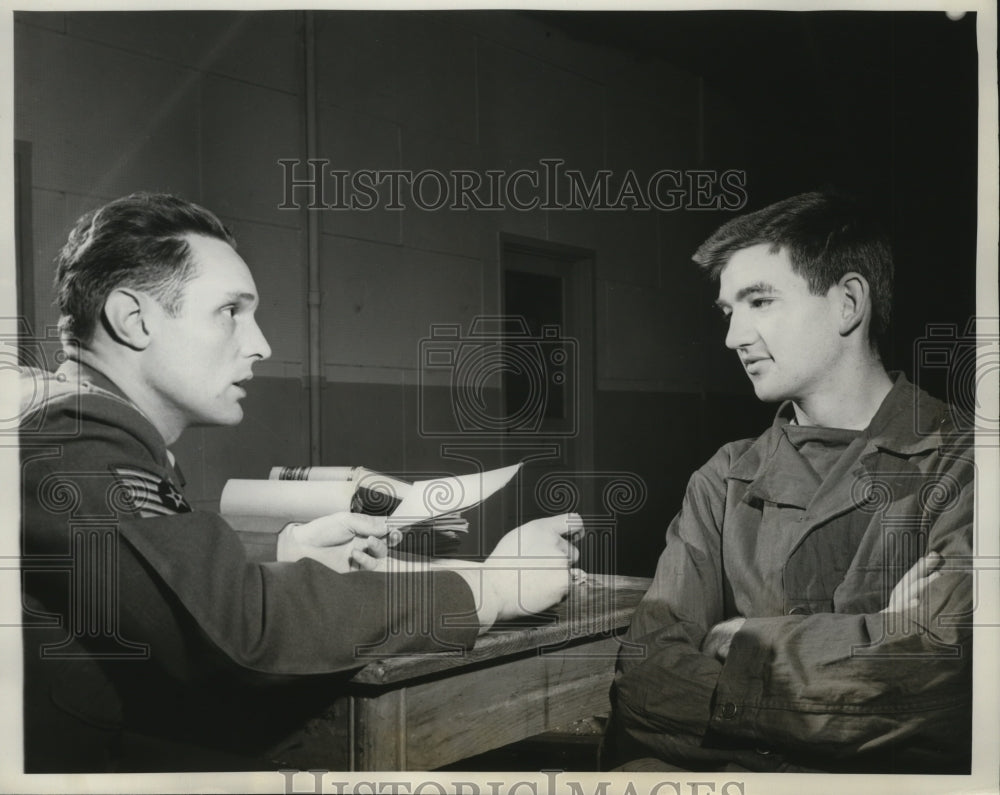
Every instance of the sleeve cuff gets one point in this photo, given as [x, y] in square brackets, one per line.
[740, 689]
[258, 534]
[456, 618]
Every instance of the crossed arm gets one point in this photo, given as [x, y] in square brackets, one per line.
[905, 596]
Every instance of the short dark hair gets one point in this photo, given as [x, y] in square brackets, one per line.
[136, 241]
[826, 235]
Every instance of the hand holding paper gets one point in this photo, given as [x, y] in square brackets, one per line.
[342, 541]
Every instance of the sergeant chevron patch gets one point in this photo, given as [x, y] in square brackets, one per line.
[148, 494]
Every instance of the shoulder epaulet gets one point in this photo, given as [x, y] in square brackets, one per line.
[40, 388]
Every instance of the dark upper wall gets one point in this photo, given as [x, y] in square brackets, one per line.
[206, 103]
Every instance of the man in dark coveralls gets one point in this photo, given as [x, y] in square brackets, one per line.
[151, 641]
[811, 610]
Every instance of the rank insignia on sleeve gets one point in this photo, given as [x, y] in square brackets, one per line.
[148, 494]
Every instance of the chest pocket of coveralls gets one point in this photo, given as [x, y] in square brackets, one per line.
[816, 572]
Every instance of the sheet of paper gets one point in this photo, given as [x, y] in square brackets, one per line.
[428, 499]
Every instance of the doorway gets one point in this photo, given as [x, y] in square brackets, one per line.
[547, 391]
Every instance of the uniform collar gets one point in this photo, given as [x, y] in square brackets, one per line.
[74, 371]
[90, 379]
[908, 422]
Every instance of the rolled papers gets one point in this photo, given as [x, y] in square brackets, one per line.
[375, 494]
[301, 494]
[294, 501]
[311, 473]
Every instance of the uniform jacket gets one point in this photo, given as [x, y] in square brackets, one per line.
[145, 619]
[817, 678]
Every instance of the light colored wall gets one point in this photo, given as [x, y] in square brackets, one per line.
[195, 104]
[204, 104]
[497, 91]
[192, 104]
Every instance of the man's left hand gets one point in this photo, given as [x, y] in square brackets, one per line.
[720, 637]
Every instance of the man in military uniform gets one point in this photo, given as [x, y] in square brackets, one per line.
[151, 641]
[811, 609]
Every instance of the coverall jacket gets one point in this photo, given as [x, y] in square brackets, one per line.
[818, 677]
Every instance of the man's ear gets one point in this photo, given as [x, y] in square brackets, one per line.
[126, 315]
[855, 301]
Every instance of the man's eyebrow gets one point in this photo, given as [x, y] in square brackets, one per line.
[756, 288]
[239, 298]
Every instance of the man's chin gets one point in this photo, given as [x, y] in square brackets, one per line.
[232, 417]
[764, 394]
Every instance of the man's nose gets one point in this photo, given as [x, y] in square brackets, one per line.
[740, 332]
[256, 344]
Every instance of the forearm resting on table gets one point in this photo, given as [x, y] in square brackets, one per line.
[527, 572]
[476, 576]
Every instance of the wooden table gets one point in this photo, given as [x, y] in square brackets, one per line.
[423, 711]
